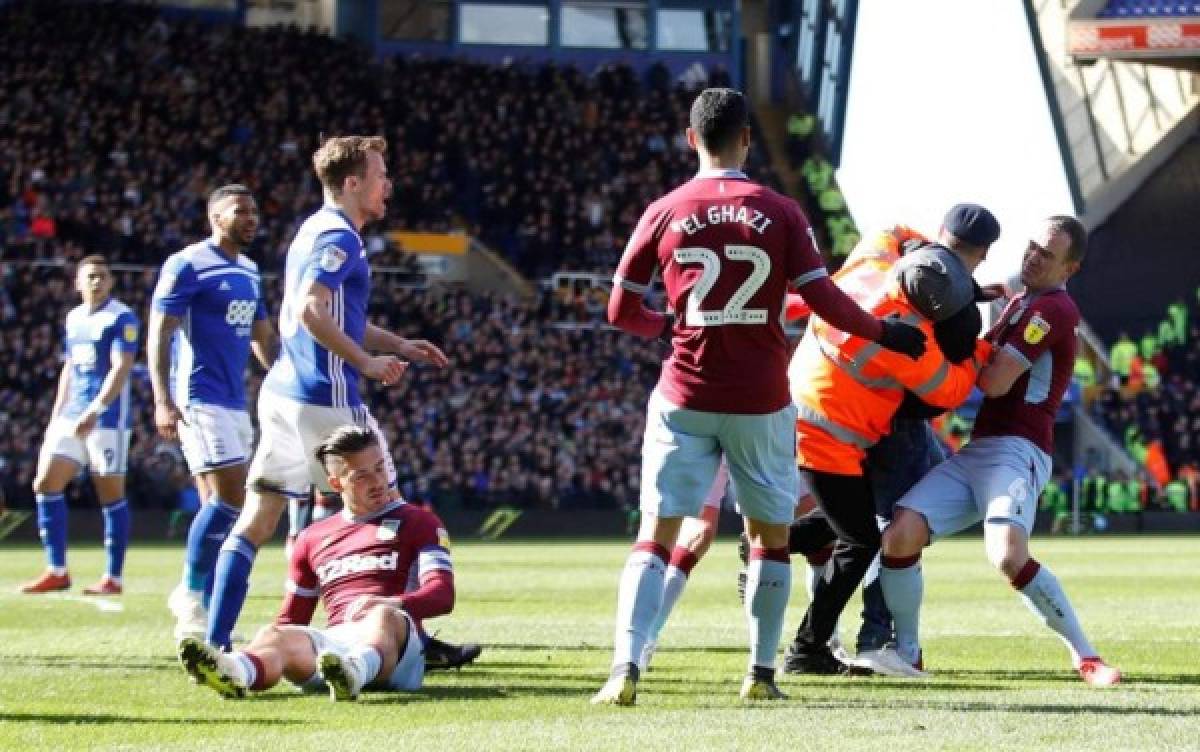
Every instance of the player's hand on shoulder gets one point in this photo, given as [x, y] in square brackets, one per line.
[167, 417]
[902, 338]
[386, 369]
[423, 351]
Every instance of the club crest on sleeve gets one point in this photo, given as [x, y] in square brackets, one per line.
[131, 332]
[1036, 330]
[331, 258]
[387, 530]
[443, 538]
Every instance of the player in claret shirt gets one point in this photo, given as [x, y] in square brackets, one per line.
[729, 250]
[378, 567]
[998, 476]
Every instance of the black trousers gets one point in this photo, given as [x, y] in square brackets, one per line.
[846, 515]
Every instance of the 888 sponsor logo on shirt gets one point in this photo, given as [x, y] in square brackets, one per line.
[240, 314]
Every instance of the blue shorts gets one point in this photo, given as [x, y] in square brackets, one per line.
[994, 479]
[681, 454]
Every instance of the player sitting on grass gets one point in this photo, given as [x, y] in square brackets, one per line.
[358, 564]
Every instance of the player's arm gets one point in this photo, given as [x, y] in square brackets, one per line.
[302, 589]
[1046, 324]
[316, 315]
[110, 390]
[158, 352]
[264, 342]
[1002, 371]
[64, 384]
[810, 278]
[378, 339]
[626, 306]
[935, 380]
[172, 299]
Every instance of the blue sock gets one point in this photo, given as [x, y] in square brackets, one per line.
[116, 535]
[231, 581]
[52, 527]
[210, 527]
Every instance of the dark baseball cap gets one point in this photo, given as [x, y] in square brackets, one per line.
[971, 223]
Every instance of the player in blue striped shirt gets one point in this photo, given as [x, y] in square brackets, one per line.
[89, 428]
[207, 315]
[327, 342]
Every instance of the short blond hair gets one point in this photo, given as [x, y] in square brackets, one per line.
[340, 157]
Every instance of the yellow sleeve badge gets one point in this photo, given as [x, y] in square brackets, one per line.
[1036, 330]
[131, 333]
[443, 538]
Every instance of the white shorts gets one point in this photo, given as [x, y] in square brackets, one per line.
[214, 437]
[290, 432]
[682, 452]
[407, 676]
[995, 479]
[104, 451]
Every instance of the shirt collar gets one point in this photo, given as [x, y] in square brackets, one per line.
[721, 173]
[367, 518]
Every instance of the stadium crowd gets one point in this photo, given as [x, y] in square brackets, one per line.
[120, 157]
[117, 151]
[536, 408]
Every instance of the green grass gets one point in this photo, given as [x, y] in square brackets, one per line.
[76, 677]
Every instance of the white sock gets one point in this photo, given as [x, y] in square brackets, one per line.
[244, 672]
[1046, 598]
[639, 599]
[370, 659]
[904, 589]
[673, 585]
[768, 585]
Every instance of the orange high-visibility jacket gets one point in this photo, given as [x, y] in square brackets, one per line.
[847, 389]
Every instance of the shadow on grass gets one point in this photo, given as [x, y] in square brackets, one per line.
[107, 718]
[94, 663]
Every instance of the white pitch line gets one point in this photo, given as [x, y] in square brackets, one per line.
[101, 604]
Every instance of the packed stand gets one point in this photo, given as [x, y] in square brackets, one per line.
[1152, 406]
[116, 151]
[532, 412]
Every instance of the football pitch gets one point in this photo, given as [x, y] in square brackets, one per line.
[82, 673]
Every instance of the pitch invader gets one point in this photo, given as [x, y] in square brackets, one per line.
[359, 564]
[207, 315]
[998, 476]
[724, 388]
[89, 428]
[327, 340]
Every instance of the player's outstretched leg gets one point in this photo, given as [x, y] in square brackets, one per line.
[211, 668]
[1044, 596]
[1008, 550]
